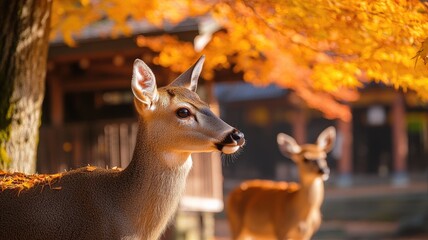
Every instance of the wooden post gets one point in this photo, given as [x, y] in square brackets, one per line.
[299, 125]
[344, 143]
[56, 102]
[399, 140]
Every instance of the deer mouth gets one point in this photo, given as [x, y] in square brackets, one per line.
[325, 173]
[232, 142]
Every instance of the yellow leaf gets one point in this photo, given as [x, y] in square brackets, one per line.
[90, 168]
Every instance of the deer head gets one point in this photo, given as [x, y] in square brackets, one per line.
[176, 119]
[310, 158]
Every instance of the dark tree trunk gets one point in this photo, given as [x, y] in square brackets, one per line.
[24, 40]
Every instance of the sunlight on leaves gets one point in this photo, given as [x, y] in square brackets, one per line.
[323, 50]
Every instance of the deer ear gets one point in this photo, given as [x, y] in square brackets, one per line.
[326, 139]
[144, 83]
[189, 79]
[287, 145]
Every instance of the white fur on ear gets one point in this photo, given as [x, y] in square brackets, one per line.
[326, 139]
[287, 145]
[189, 78]
[144, 83]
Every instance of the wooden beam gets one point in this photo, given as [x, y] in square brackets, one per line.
[88, 84]
[104, 47]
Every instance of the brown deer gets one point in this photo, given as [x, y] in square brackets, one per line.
[138, 202]
[262, 209]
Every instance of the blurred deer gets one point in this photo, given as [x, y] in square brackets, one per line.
[138, 202]
[262, 209]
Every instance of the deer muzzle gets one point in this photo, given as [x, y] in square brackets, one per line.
[325, 172]
[232, 142]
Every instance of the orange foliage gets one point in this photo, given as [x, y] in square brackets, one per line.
[324, 50]
[20, 181]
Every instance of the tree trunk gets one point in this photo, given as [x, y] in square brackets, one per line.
[24, 41]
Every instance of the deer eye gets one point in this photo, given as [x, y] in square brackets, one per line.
[183, 113]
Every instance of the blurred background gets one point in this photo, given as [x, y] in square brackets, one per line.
[270, 68]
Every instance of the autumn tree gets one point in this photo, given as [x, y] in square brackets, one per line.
[323, 50]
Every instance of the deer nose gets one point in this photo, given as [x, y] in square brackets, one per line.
[238, 137]
[324, 171]
[233, 141]
[235, 137]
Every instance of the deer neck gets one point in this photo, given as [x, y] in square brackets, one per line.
[154, 183]
[312, 190]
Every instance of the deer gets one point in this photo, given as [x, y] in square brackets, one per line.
[264, 209]
[139, 201]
